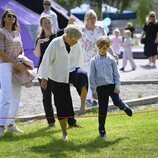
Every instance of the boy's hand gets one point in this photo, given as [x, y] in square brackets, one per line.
[117, 90]
[95, 96]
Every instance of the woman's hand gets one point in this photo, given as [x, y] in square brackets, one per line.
[43, 40]
[19, 67]
[44, 83]
[156, 40]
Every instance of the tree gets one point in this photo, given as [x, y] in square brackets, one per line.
[142, 8]
[96, 4]
[120, 4]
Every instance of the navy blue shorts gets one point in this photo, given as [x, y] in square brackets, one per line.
[79, 79]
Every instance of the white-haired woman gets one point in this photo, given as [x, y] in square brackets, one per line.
[55, 67]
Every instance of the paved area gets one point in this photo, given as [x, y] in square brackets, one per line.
[31, 101]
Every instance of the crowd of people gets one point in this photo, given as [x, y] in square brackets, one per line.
[82, 56]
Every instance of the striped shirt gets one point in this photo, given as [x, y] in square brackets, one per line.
[10, 43]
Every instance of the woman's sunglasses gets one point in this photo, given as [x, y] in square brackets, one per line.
[11, 16]
[48, 4]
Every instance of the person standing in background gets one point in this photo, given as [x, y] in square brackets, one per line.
[53, 15]
[151, 39]
[127, 53]
[46, 36]
[129, 26]
[116, 41]
[10, 48]
[91, 32]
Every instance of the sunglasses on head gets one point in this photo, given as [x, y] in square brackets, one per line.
[10, 15]
[48, 4]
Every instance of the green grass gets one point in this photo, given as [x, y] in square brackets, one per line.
[135, 137]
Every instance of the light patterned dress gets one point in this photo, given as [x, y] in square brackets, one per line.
[88, 41]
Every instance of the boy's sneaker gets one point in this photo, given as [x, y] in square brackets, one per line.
[1, 131]
[13, 128]
[102, 134]
[122, 69]
[128, 110]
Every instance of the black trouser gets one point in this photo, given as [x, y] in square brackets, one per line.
[47, 103]
[103, 99]
[62, 99]
[48, 108]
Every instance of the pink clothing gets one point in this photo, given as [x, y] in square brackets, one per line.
[116, 44]
[10, 43]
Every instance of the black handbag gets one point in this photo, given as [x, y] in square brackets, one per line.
[143, 38]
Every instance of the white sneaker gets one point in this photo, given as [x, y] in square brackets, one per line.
[1, 131]
[14, 129]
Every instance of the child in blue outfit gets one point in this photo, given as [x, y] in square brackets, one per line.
[105, 82]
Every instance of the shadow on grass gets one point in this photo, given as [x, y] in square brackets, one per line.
[45, 131]
[59, 148]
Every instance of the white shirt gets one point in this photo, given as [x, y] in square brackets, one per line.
[54, 18]
[128, 45]
[57, 63]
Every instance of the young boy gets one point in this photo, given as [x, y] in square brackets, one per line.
[105, 82]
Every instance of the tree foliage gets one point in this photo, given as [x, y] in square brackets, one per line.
[142, 8]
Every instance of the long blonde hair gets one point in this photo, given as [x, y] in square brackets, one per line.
[152, 13]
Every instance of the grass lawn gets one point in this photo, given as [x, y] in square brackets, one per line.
[128, 137]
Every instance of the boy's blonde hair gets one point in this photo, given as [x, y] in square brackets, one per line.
[103, 40]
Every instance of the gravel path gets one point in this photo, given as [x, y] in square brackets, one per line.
[31, 97]
[31, 101]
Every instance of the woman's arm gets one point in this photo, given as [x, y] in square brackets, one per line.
[19, 67]
[37, 50]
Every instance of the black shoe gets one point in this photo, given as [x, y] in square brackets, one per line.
[122, 69]
[51, 125]
[94, 103]
[128, 110]
[75, 126]
[102, 134]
